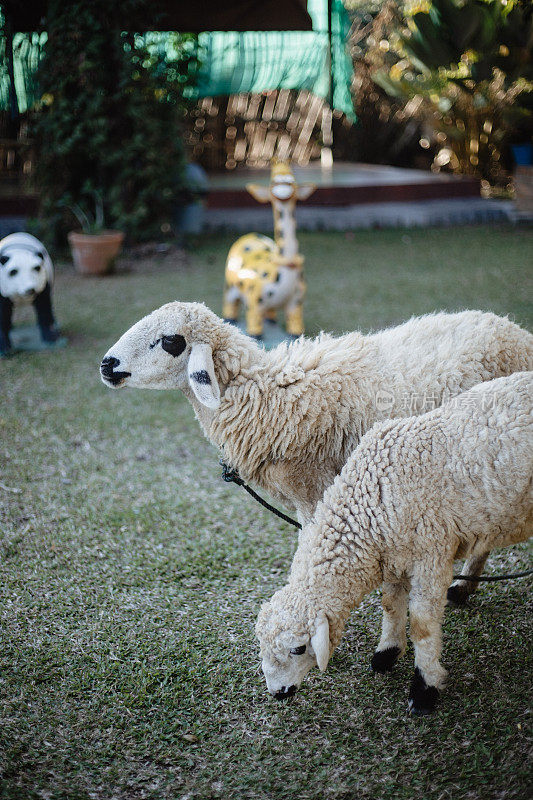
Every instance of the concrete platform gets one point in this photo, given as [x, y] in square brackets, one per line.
[273, 333]
[429, 213]
[352, 196]
[28, 338]
[345, 184]
[349, 196]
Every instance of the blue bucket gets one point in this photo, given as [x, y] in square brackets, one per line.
[522, 154]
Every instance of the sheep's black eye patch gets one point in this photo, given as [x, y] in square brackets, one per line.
[201, 377]
[174, 345]
[13, 272]
[298, 651]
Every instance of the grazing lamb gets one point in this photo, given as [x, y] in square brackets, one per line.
[288, 419]
[415, 495]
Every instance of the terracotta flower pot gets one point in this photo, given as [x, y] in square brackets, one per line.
[95, 253]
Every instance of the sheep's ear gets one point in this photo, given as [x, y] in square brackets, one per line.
[202, 376]
[259, 193]
[320, 642]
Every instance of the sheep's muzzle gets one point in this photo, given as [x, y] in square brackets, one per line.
[285, 691]
[108, 372]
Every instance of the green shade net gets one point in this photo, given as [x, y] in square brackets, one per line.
[256, 61]
[229, 62]
[27, 53]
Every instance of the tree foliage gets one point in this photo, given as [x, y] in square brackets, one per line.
[109, 122]
[387, 131]
[471, 63]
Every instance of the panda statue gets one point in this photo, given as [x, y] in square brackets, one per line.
[26, 276]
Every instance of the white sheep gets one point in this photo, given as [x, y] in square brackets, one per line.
[415, 495]
[288, 419]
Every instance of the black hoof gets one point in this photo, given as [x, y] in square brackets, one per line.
[422, 698]
[257, 336]
[384, 660]
[231, 321]
[457, 595]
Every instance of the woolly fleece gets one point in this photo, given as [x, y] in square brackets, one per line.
[415, 495]
[288, 419]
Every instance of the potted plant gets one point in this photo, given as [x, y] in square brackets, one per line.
[94, 248]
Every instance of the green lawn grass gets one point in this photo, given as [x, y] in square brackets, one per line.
[131, 575]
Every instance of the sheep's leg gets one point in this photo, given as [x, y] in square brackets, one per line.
[394, 598]
[459, 590]
[426, 609]
[271, 315]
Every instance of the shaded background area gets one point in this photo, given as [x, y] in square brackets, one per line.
[239, 15]
[446, 86]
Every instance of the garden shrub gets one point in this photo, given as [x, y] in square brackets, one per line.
[467, 68]
[109, 119]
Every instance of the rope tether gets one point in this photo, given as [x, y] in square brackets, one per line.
[232, 476]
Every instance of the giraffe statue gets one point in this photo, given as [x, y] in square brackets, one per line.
[267, 274]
